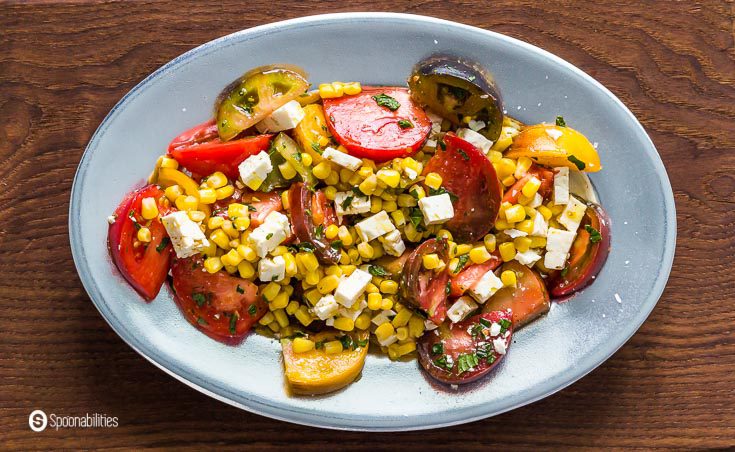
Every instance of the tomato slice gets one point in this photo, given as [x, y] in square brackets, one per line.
[373, 131]
[301, 200]
[588, 254]
[470, 177]
[201, 151]
[469, 276]
[223, 306]
[528, 299]
[426, 289]
[322, 211]
[145, 266]
[544, 175]
[264, 204]
[465, 351]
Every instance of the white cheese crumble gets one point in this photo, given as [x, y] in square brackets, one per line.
[342, 159]
[461, 309]
[350, 288]
[475, 139]
[285, 117]
[272, 269]
[255, 169]
[348, 203]
[274, 230]
[373, 227]
[436, 209]
[561, 185]
[185, 235]
[486, 287]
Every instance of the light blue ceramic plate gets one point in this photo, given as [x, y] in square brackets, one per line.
[381, 48]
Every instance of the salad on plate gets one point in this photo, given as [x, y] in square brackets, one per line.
[417, 221]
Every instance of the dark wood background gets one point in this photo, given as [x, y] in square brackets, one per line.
[63, 65]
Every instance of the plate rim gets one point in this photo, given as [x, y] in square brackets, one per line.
[279, 411]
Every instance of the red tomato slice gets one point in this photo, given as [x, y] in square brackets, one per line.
[425, 289]
[470, 177]
[304, 221]
[370, 130]
[261, 205]
[528, 299]
[544, 175]
[223, 306]
[145, 267]
[470, 275]
[200, 150]
[463, 352]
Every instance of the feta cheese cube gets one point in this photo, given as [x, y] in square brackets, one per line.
[326, 307]
[410, 173]
[528, 257]
[186, 236]
[383, 317]
[559, 240]
[393, 243]
[475, 139]
[254, 170]
[436, 123]
[285, 117]
[373, 227]
[461, 309]
[342, 159]
[350, 288]
[555, 260]
[486, 287]
[561, 185]
[476, 125]
[540, 226]
[356, 204]
[572, 214]
[495, 329]
[500, 345]
[274, 230]
[272, 269]
[436, 209]
[388, 340]
[429, 325]
[515, 233]
[536, 201]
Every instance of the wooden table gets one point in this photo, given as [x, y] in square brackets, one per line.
[64, 65]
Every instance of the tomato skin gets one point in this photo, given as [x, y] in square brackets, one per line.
[369, 130]
[470, 176]
[423, 288]
[544, 175]
[144, 268]
[469, 276]
[586, 258]
[302, 202]
[218, 298]
[200, 150]
[457, 339]
[528, 300]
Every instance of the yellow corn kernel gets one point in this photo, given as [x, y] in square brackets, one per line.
[374, 301]
[402, 318]
[331, 231]
[196, 215]
[333, 270]
[345, 175]
[369, 185]
[292, 307]
[344, 324]
[345, 236]
[387, 303]
[312, 278]
[303, 316]
[525, 226]
[230, 269]
[508, 181]
[215, 222]
[389, 177]
[507, 251]
[390, 206]
[327, 91]
[495, 156]
[399, 219]
[509, 278]
[431, 261]
[502, 225]
[433, 180]
[247, 253]
[236, 210]
[309, 261]
[322, 170]
[210, 250]
[522, 166]
[384, 331]
[416, 326]
[280, 301]
[405, 349]
[281, 317]
[280, 250]
[463, 248]
[538, 242]
[167, 162]
[307, 159]
[332, 179]
[313, 296]
[389, 286]
[328, 284]
[241, 223]
[531, 187]
[347, 270]
[291, 268]
[144, 234]
[376, 204]
[207, 196]
[515, 214]
[402, 333]
[333, 347]
[505, 167]
[354, 256]
[480, 255]
[302, 345]
[352, 88]
[522, 244]
[187, 203]
[417, 192]
[556, 209]
[220, 238]
[149, 208]
[225, 192]
[230, 230]
[285, 201]
[363, 321]
[372, 288]
[246, 269]
[231, 258]
[213, 264]
[490, 242]
[406, 200]
[287, 170]
[217, 180]
[330, 192]
[545, 212]
[173, 192]
[267, 318]
[271, 290]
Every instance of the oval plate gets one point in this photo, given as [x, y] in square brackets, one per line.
[546, 356]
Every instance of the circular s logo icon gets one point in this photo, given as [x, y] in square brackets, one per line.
[38, 421]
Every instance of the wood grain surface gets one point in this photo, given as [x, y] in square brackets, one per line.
[63, 65]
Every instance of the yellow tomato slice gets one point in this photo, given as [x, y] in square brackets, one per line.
[555, 146]
[311, 130]
[170, 176]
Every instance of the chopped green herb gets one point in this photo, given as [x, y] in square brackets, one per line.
[560, 121]
[386, 101]
[416, 217]
[233, 323]
[475, 330]
[377, 270]
[595, 235]
[448, 287]
[464, 154]
[405, 124]
[308, 212]
[437, 348]
[441, 191]
[486, 353]
[268, 236]
[306, 246]
[362, 343]
[442, 362]
[466, 362]
[319, 231]
[164, 243]
[346, 342]
[252, 310]
[240, 289]
[564, 272]
[442, 145]
[296, 156]
[484, 322]
[316, 148]
[337, 244]
[347, 202]
[201, 321]
[319, 345]
[577, 162]
[504, 325]
[251, 208]
[199, 298]
[415, 194]
[462, 261]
